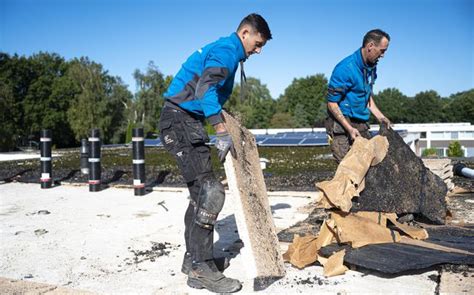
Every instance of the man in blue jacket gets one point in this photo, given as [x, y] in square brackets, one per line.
[197, 93]
[349, 98]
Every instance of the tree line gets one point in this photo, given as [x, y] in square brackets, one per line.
[45, 91]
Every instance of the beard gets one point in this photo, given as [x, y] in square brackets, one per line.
[372, 63]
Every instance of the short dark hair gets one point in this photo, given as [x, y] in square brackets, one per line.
[375, 36]
[258, 23]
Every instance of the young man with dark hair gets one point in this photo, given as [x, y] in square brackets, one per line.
[349, 98]
[197, 93]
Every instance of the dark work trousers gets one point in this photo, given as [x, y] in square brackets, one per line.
[341, 141]
[184, 136]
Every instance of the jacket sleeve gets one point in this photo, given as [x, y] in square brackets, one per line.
[339, 84]
[217, 69]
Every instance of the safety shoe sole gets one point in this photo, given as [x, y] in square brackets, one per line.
[199, 284]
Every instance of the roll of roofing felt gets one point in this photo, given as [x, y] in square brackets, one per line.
[138, 151]
[461, 170]
[46, 159]
[84, 156]
[94, 161]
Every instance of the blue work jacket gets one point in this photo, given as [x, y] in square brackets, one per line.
[205, 80]
[351, 86]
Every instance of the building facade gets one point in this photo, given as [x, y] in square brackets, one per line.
[440, 135]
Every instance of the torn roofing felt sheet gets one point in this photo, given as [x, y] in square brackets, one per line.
[402, 184]
[360, 231]
[394, 258]
[348, 180]
[357, 229]
[302, 252]
[333, 266]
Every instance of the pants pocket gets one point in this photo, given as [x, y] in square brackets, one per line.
[168, 136]
[340, 146]
[203, 160]
[194, 162]
[195, 132]
[337, 128]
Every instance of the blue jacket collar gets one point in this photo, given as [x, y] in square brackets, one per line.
[238, 43]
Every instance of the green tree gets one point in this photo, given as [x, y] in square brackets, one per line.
[281, 104]
[47, 100]
[257, 106]
[62, 93]
[99, 103]
[7, 105]
[44, 91]
[148, 100]
[393, 104]
[460, 107]
[455, 150]
[305, 100]
[282, 120]
[300, 117]
[7, 117]
[429, 152]
[120, 101]
[15, 79]
[426, 107]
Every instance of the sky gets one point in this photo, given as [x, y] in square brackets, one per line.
[431, 48]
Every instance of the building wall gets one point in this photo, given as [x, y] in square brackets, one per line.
[440, 135]
[445, 143]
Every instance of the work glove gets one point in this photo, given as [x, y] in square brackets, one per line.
[224, 144]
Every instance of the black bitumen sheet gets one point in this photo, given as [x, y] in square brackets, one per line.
[393, 258]
[453, 236]
[402, 184]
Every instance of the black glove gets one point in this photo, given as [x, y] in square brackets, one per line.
[224, 144]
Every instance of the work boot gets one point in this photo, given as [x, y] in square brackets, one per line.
[220, 262]
[203, 276]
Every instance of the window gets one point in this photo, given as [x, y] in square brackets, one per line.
[467, 134]
[430, 152]
[437, 135]
[441, 152]
[469, 152]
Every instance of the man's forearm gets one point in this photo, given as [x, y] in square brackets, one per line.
[336, 112]
[375, 110]
[378, 114]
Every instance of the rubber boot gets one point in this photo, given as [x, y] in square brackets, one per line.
[203, 276]
[220, 262]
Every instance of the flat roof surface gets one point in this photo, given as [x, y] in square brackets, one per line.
[102, 243]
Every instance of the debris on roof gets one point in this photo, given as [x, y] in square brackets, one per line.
[333, 265]
[443, 168]
[355, 229]
[393, 258]
[387, 179]
[348, 180]
[402, 184]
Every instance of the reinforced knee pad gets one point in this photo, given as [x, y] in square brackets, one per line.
[210, 202]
